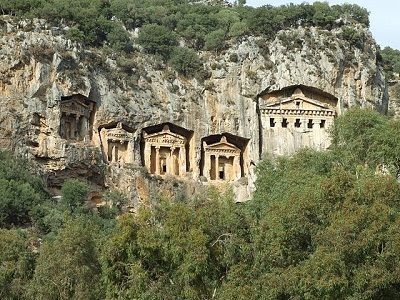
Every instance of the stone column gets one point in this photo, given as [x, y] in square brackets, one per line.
[206, 166]
[216, 166]
[86, 133]
[147, 156]
[114, 157]
[182, 160]
[62, 125]
[236, 168]
[72, 130]
[129, 150]
[157, 160]
[77, 132]
[171, 167]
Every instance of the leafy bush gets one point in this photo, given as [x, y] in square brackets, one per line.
[238, 29]
[16, 264]
[391, 62]
[74, 194]
[351, 35]
[157, 39]
[75, 34]
[20, 192]
[215, 40]
[358, 137]
[119, 38]
[16, 201]
[186, 61]
[68, 266]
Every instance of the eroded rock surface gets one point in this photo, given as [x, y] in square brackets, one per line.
[39, 66]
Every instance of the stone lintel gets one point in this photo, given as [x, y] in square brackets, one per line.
[298, 112]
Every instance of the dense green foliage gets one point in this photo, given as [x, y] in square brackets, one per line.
[391, 62]
[157, 39]
[20, 192]
[321, 225]
[74, 193]
[68, 266]
[186, 61]
[164, 22]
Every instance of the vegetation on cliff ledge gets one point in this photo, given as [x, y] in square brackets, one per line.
[321, 225]
[164, 23]
[391, 62]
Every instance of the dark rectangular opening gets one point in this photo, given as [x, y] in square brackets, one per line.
[271, 122]
[285, 123]
[310, 124]
[221, 173]
[322, 124]
[297, 123]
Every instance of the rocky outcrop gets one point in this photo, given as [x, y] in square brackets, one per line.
[394, 96]
[39, 66]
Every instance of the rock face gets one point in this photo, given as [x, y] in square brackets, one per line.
[394, 96]
[39, 66]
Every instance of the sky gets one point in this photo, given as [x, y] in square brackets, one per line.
[384, 17]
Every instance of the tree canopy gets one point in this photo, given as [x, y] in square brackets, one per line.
[162, 23]
[321, 225]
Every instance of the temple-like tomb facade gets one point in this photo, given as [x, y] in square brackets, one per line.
[76, 117]
[117, 143]
[296, 117]
[166, 149]
[224, 157]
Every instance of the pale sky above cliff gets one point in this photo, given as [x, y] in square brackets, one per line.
[384, 17]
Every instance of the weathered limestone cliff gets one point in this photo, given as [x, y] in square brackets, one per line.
[39, 66]
[394, 96]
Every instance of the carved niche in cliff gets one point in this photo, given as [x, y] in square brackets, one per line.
[166, 149]
[76, 119]
[296, 117]
[224, 157]
[117, 143]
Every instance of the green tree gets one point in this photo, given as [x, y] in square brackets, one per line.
[20, 192]
[355, 12]
[357, 136]
[17, 199]
[157, 39]
[16, 264]
[324, 14]
[324, 231]
[215, 40]
[238, 29]
[391, 62]
[119, 38]
[176, 250]
[75, 34]
[68, 266]
[186, 61]
[74, 194]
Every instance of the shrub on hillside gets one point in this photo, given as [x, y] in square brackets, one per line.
[119, 38]
[215, 40]
[74, 194]
[186, 61]
[157, 39]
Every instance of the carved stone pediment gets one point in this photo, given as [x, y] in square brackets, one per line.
[222, 147]
[118, 134]
[297, 103]
[166, 138]
[74, 106]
